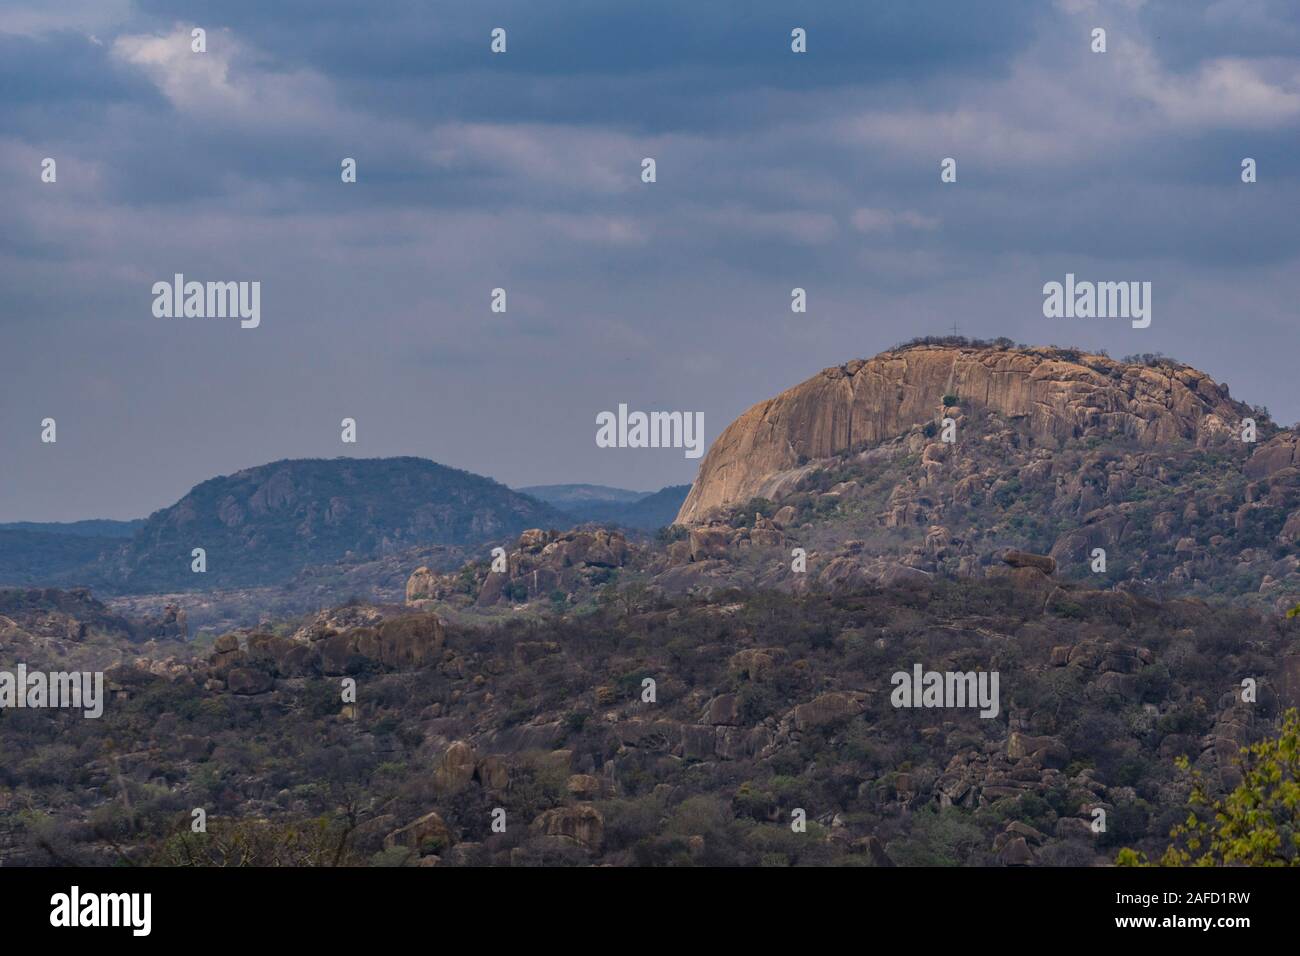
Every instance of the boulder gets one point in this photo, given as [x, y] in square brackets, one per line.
[456, 769]
[754, 663]
[584, 786]
[249, 680]
[410, 641]
[723, 710]
[421, 585]
[828, 708]
[226, 643]
[583, 824]
[428, 834]
[1026, 559]
[1016, 852]
[711, 543]
[1047, 751]
[405, 642]
[784, 516]
[493, 773]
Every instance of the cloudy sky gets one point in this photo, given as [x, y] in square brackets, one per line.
[522, 171]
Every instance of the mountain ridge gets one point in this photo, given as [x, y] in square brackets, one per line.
[261, 525]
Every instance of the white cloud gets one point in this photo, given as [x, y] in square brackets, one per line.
[1224, 92]
[225, 82]
[1058, 94]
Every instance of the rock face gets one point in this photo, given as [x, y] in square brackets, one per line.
[1061, 394]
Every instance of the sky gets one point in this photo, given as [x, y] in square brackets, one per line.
[522, 170]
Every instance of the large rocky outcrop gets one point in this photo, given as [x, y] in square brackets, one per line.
[337, 642]
[541, 564]
[1061, 394]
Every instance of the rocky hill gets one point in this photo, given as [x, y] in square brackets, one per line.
[1130, 474]
[1059, 394]
[263, 525]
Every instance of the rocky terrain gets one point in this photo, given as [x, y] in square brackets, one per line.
[46, 626]
[562, 567]
[213, 612]
[658, 731]
[1053, 451]
[597, 696]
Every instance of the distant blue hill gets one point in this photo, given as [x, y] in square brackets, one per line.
[56, 552]
[644, 510]
[91, 528]
[580, 496]
[262, 526]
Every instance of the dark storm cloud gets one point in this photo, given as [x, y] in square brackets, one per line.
[522, 171]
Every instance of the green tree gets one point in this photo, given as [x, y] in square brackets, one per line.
[1257, 824]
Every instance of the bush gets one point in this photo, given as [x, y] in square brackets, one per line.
[938, 838]
[1258, 824]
